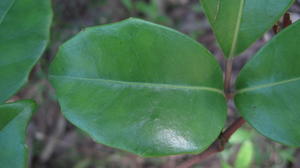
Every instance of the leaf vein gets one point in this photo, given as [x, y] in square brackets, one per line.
[268, 85]
[236, 31]
[6, 12]
[147, 85]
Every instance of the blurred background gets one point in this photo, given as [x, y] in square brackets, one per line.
[55, 143]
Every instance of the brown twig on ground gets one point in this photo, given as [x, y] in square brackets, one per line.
[53, 139]
[216, 147]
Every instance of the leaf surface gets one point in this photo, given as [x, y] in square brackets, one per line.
[268, 88]
[141, 87]
[5, 5]
[239, 23]
[24, 32]
[14, 118]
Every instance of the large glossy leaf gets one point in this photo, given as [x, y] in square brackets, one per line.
[239, 23]
[140, 87]
[268, 88]
[24, 31]
[14, 118]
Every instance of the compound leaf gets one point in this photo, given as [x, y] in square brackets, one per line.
[14, 118]
[24, 31]
[239, 23]
[141, 87]
[268, 88]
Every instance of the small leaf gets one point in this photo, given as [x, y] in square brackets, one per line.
[239, 23]
[141, 87]
[268, 88]
[14, 118]
[245, 155]
[24, 31]
[5, 5]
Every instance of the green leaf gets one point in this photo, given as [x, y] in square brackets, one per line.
[245, 155]
[225, 165]
[141, 87]
[239, 23]
[24, 32]
[14, 118]
[5, 5]
[240, 136]
[268, 88]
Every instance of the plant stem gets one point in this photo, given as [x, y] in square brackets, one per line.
[228, 72]
[217, 146]
[232, 128]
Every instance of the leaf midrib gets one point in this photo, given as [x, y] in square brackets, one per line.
[268, 85]
[7, 11]
[146, 85]
[236, 30]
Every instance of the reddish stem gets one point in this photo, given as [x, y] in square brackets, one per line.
[228, 72]
[233, 128]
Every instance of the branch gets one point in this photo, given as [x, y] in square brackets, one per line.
[216, 147]
[228, 72]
